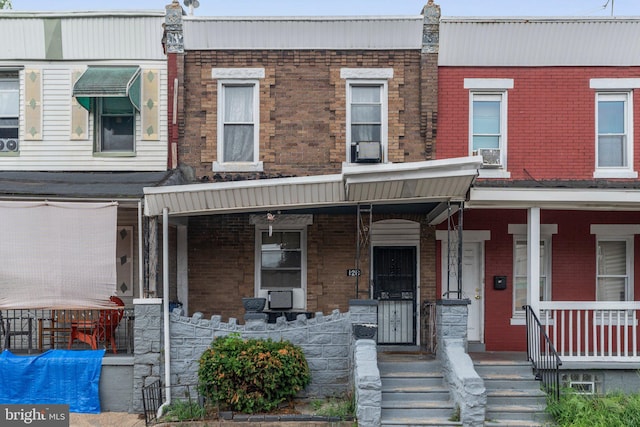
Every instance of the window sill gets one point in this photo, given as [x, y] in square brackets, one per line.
[114, 154]
[615, 174]
[494, 173]
[237, 167]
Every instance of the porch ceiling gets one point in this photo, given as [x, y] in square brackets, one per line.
[397, 183]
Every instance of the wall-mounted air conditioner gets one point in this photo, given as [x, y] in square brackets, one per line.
[368, 152]
[9, 144]
[491, 157]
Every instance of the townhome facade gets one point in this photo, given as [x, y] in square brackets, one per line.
[551, 105]
[308, 143]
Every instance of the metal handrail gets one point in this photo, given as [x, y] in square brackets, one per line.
[542, 354]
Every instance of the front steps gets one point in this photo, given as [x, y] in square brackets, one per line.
[413, 391]
[514, 397]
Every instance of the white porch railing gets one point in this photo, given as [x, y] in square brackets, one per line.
[591, 331]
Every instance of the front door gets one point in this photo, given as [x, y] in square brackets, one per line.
[394, 286]
[472, 288]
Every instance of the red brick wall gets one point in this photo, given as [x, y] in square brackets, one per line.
[551, 118]
[302, 107]
[573, 271]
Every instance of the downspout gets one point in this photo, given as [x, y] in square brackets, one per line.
[140, 253]
[165, 297]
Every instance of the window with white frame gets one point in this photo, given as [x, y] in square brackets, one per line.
[614, 271]
[614, 127]
[115, 123]
[520, 289]
[367, 113]
[614, 142]
[488, 123]
[238, 119]
[366, 118]
[9, 111]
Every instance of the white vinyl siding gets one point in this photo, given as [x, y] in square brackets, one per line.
[57, 151]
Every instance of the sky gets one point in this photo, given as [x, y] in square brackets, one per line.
[353, 7]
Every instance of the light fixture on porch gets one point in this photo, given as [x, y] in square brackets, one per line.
[270, 219]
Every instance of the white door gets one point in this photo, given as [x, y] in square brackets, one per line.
[472, 288]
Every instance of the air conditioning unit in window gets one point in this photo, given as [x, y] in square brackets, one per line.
[490, 157]
[368, 152]
[8, 144]
[282, 300]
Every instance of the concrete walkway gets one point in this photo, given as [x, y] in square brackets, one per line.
[106, 419]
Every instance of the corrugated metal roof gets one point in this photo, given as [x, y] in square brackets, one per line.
[539, 42]
[403, 32]
[84, 35]
[415, 182]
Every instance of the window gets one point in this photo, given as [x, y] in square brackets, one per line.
[520, 272]
[281, 260]
[613, 269]
[614, 143]
[239, 122]
[114, 125]
[9, 111]
[488, 127]
[366, 121]
[488, 123]
[238, 119]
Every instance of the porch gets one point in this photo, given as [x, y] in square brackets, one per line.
[593, 334]
[33, 331]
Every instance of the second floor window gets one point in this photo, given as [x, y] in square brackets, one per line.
[239, 122]
[366, 121]
[115, 121]
[613, 138]
[488, 127]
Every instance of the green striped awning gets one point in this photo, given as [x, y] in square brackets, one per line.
[98, 82]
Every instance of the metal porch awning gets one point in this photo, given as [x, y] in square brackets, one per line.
[415, 182]
[97, 82]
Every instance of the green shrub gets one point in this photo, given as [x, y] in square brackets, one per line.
[251, 375]
[611, 410]
[183, 410]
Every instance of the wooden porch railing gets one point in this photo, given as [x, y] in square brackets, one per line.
[586, 331]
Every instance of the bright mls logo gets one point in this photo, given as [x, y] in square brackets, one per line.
[34, 415]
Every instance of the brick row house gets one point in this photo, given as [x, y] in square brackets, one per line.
[552, 107]
[308, 147]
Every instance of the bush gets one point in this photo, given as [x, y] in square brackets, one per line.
[612, 410]
[251, 375]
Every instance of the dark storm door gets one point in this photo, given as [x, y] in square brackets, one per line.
[394, 286]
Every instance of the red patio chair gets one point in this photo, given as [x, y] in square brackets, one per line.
[100, 330]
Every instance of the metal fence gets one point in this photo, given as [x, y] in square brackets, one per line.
[35, 331]
[186, 403]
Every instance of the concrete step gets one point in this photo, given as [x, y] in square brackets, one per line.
[418, 410]
[530, 413]
[517, 423]
[439, 393]
[410, 367]
[519, 397]
[515, 369]
[406, 422]
[510, 382]
[409, 383]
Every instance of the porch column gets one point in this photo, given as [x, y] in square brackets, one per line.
[533, 259]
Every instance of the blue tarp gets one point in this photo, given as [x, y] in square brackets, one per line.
[55, 377]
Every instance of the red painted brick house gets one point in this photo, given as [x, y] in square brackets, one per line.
[552, 106]
[308, 146]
